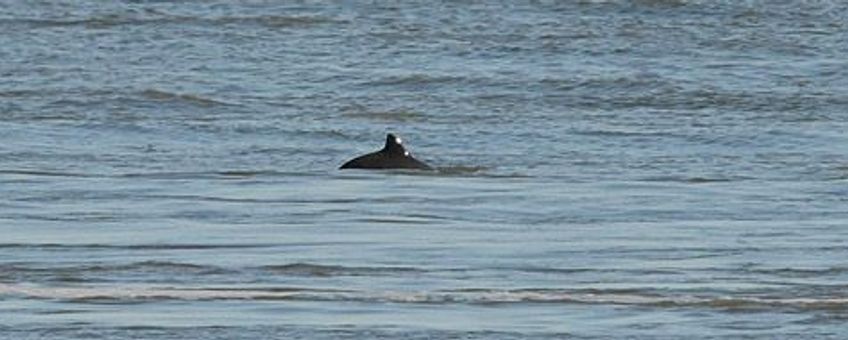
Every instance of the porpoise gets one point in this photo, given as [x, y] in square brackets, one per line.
[392, 156]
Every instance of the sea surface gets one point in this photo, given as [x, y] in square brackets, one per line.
[606, 169]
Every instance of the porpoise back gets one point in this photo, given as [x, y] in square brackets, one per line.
[392, 156]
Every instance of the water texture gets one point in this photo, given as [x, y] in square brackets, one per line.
[639, 169]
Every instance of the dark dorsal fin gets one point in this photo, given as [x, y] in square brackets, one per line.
[393, 145]
[392, 156]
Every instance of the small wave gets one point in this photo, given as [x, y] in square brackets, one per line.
[619, 84]
[125, 294]
[20, 93]
[274, 21]
[156, 246]
[694, 179]
[89, 269]
[106, 272]
[40, 173]
[146, 293]
[415, 79]
[225, 174]
[454, 171]
[160, 266]
[124, 19]
[621, 133]
[461, 170]
[165, 96]
[93, 22]
[661, 3]
[308, 269]
[400, 220]
[399, 115]
[801, 272]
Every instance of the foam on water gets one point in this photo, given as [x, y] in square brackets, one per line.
[131, 294]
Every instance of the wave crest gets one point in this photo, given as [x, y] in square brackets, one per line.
[149, 293]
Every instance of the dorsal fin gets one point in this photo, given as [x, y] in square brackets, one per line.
[392, 156]
[394, 145]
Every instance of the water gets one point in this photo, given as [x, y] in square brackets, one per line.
[642, 169]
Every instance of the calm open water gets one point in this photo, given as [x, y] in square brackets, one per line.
[643, 169]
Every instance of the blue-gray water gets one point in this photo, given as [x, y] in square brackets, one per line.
[644, 169]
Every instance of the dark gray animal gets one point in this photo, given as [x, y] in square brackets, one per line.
[392, 156]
